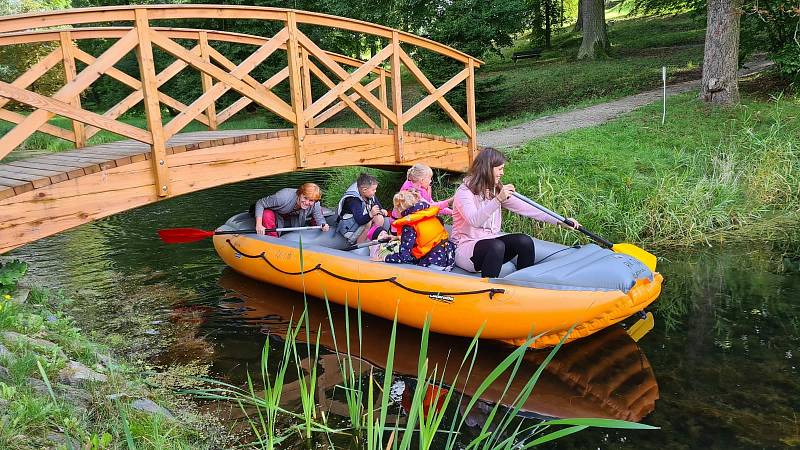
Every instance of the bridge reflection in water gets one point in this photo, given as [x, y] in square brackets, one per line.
[603, 376]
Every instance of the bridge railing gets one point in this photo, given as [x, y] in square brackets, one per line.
[219, 75]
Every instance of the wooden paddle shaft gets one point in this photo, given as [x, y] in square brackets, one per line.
[315, 227]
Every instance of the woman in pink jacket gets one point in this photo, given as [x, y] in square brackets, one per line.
[480, 246]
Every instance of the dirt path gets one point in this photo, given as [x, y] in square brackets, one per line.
[591, 116]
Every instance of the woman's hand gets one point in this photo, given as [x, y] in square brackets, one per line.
[505, 192]
[326, 227]
[260, 228]
[575, 223]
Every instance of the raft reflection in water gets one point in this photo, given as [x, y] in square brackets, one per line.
[603, 376]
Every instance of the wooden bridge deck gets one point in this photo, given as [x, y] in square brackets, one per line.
[25, 175]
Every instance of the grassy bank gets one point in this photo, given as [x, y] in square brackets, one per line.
[58, 389]
[640, 47]
[721, 175]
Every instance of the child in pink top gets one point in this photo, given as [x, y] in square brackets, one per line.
[419, 178]
[480, 244]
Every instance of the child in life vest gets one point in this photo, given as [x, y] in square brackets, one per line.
[423, 239]
[419, 178]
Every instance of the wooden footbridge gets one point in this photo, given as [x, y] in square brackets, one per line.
[45, 194]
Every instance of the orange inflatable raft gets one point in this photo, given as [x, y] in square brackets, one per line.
[585, 287]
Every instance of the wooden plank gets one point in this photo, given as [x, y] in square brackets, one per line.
[296, 88]
[436, 95]
[335, 109]
[136, 96]
[308, 96]
[16, 187]
[206, 80]
[348, 80]
[72, 171]
[82, 33]
[384, 99]
[397, 98]
[147, 73]
[47, 128]
[6, 191]
[228, 64]
[218, 89]
[345, 98]
[70, 72]
[55, 176]
[238, 105]
[412, 67]
[36, 180]
[55, 107]
[261, 96]
[471, 116]
[88, 164]
[40, 165]
[35, 72]
[50, 107]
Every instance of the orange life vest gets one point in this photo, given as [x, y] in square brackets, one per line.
[430, 231]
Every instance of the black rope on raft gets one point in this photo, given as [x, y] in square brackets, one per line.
[392, 280]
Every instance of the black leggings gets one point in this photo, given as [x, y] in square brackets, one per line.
[489, 255]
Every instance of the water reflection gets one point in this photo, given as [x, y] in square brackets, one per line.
[604, 376]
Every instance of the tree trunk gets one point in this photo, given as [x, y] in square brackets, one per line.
[579, 21]
[548, 13]
[721, 57]
[595, 36]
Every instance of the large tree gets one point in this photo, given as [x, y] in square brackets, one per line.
[595, 35]
[721, 57]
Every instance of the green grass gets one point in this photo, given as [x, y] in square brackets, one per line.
[30, 415]
[639, 48]
[707, 175]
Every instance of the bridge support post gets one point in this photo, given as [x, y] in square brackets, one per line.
[205, 53]
[295, 83]
[384, 100]
[308, 98]
[158, 153]
[397, 98]
[471, 119]
[70, 72]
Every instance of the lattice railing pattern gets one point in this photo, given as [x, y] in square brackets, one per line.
[218, 74]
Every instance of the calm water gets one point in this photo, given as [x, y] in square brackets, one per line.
[722, 360]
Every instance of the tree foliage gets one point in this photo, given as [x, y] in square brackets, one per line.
[17, 59]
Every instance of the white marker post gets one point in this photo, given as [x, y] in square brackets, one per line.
[664, 80]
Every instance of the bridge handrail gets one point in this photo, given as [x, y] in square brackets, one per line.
[22, 22]
[85, 33]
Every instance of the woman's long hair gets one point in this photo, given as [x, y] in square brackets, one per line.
[480, 177]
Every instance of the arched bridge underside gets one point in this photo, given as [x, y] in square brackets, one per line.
[45, 194]
[72, 188]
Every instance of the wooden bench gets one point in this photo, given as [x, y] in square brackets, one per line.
[532, 53]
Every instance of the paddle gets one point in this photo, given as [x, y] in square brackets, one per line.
[183, 235]
[647, 258]
[368, 244]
